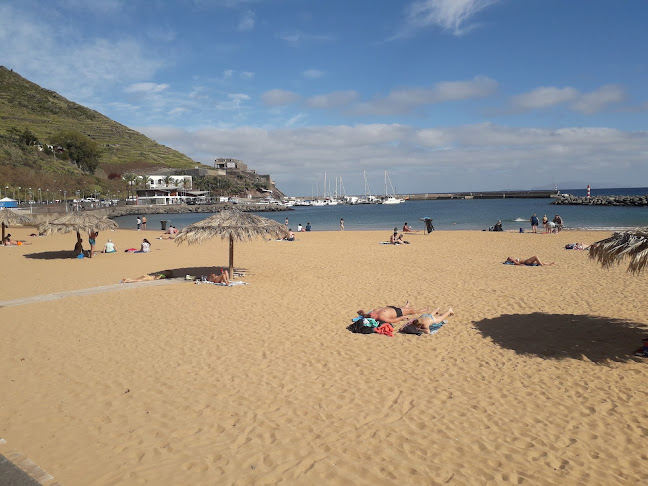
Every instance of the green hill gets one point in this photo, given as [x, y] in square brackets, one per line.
[24, 104]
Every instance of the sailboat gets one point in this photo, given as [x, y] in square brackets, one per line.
[391, 198]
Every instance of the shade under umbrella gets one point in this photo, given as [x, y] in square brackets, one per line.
[629, 244]
[9, 217]
[77, 221]
[234, 225]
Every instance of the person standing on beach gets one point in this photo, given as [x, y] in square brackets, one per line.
[559, 223]
[341, 224]
[545, 223]
[143, 222]
[139, 223]
[534, 223]
[92, 239]
[286, 223]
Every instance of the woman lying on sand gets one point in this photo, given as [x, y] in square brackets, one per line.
[391, 314]
[146, 278]
[533, 261]
[424, 321]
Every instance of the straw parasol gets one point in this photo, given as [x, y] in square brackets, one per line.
[234, 225]
[632, 244]
[77, 221]
[9, 217]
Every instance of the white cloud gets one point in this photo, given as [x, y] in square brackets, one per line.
[336, 99]
[443, 159]
[146, 88]
[246, 75]
[588, 103]
[247, 21]
[279, 97]
[312, 74]
[406, 100]
[296, 38]
[449, 15]
[597, 100]
[544, 97]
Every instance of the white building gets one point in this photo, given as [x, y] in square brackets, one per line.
[157, 181]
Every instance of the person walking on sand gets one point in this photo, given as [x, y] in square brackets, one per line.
[341, 224]
[391, 313]
[533, 261]
[534, 223]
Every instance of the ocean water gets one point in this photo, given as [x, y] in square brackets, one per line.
[451, 214]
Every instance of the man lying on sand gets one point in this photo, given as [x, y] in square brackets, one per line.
[391, 313]
[533, 261]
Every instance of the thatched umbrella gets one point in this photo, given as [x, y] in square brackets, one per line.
[76, 221]
[234, 225]
[9, 217]
[632, 244]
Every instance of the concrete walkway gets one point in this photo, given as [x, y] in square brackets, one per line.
[90, 291]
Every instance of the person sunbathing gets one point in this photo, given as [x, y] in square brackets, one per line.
[222, 278]
[533, 261]
[424, 321]
[146, 278]
[391, 313]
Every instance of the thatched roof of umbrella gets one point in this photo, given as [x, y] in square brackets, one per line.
[77, 221]
[234, 225]
[631, 244]
[9, 217]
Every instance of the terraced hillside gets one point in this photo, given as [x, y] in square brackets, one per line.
[24, 104]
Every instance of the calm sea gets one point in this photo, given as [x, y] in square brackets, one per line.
[452, 214]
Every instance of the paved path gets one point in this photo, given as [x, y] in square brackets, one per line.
[93, 290]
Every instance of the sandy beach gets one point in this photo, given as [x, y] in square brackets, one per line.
[533, 381]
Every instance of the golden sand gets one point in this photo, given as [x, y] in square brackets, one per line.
[532, 382]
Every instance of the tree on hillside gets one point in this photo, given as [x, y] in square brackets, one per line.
[81, 149]
[25, 137]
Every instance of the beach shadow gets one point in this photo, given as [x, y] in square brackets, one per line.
[51, 255]
[199, 271]
[560, 336]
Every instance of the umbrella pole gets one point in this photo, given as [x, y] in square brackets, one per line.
[231, 257]
[3, 233]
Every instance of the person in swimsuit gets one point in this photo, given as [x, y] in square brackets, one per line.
[533, 261]
[222, 278]
[424, 321]
[92, 239]
[391, 313]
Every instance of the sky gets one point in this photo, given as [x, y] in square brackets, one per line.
[444, 95]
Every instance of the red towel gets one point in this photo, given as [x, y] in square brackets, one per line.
[386, 329]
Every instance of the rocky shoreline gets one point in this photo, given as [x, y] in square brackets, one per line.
[568, 199]
[183, 209]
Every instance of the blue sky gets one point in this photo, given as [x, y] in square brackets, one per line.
[446, 95]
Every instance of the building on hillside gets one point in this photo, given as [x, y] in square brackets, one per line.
[158, 181]
[163, 196]
[235, 166]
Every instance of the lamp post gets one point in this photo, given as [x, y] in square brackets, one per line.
[65, 200]
[40, 196]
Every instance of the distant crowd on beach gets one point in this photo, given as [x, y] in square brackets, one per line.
[554, 226]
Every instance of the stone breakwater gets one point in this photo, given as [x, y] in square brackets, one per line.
[602, 200]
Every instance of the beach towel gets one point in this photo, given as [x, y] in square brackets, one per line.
[386, 330]
[222, 284]
[366, 321]
[434, 328]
